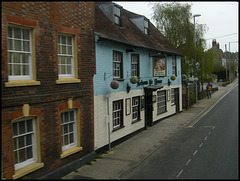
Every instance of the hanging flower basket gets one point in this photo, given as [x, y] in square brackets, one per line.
[173, 77]
[133, 79]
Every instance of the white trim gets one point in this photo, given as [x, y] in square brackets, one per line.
[34, 149]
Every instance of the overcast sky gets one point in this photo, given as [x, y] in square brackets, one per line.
[220, 17]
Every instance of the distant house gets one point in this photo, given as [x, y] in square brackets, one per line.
[219, 51]
[128, 45]
[48, 63]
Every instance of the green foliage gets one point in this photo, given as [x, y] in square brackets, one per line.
[192, 98]
[174, 20]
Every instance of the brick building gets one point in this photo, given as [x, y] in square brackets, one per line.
[48, 63]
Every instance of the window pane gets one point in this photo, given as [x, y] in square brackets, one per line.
[16, 57]
[71, 127]
[17, 69]
[25, 58]
[29, 152]
[22, 155]
[62, 71]
[66, 117]
[26, 45]
[69, 60]
[17, 45]
[71, 115]
[64, 50]
[65, 129]
[26, 34]
[29, 125]
[71, 138]
[65, 139]
[70, 50]
[21, 127]
[69, 40]
[59, 49]
[63, 39]
[29, 139]
[15, 157]
[10, 44]
[25, 70]
[21, 142]
[17, 33]
[69, 69]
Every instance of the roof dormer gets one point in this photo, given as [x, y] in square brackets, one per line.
[112, 11]
[142, 23]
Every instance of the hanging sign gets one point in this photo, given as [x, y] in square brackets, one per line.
[159, 69]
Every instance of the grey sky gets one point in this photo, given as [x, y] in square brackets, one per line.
[221, 19]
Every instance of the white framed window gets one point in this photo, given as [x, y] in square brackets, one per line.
[117, 114]
[68, 129]
[65, 56]
[146, 27]
[172, 97]
[19, 46]
[135, 109]
[161, 102]
[24, 143]
[135, 65]
[117, 65]
[117, 15]
[174, 67]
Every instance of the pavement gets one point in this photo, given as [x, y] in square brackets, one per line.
[129, 154]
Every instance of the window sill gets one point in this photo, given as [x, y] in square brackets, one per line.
[119, 79]
[28, 169]
[136, 121]
[70, 151]
[67, 80]
[120, 127]
[16, 83]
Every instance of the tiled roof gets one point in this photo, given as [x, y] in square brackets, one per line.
[130, 34]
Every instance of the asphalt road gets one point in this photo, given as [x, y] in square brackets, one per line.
[208, 150]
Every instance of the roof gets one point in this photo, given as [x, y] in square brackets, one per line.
[130, 34]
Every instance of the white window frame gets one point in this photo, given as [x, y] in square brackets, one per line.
[135, 109]
[174, 66]
[117, 114]
[135, 65]
[117, 65]
[21, 52]
[161, 103]
[172, 97]
[34, 149]
[74, 131]
[146, 27]
[65, 56]
[117, 15]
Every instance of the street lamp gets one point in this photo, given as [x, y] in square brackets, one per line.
[194, 16]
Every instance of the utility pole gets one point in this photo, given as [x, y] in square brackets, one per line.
[229, 65]
[226, 61]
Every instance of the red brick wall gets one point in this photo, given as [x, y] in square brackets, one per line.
[45, 100]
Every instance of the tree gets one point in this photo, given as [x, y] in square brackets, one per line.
[174, 21]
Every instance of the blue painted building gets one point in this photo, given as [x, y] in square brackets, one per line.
[128, 45]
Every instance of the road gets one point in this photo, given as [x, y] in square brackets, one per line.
[207, 150]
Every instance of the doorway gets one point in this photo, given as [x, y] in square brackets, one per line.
[148, 109]
[176, 98]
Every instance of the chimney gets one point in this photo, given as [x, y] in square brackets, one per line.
[214, 42]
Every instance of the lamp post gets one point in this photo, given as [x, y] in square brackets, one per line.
[194, 16]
